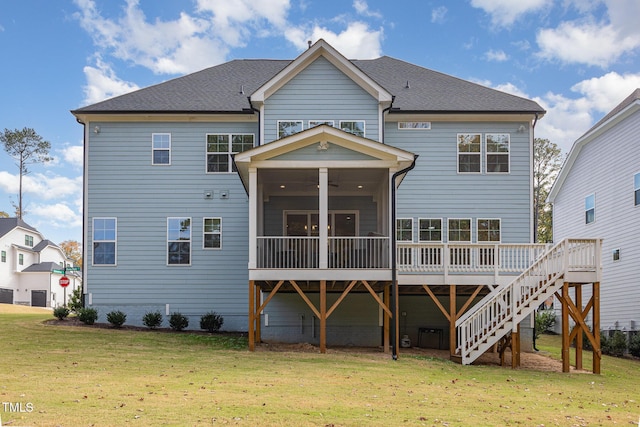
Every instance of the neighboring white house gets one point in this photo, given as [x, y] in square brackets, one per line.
[30, 267]
[597, 194]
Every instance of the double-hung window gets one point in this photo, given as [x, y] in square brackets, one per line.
[161, 148]
[590, 209]
[28, 240]
[636, 189]
[469, 160]
[104, 241]
[3, 256]
[179, 241]
[288, 127]
[488, 232]
[212, 230]
[21, 259]
[355, 127]
[459, 231]
[497, 152]
[221, 147]
[404, 233]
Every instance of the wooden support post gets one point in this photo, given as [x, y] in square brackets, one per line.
[515, 348]
[565, 328]
[578, 295]
[386, 319]
[258, 335]
[323, 316]
[597, 351]
[252, 344]
[452, 319]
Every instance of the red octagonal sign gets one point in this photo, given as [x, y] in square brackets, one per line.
[64, 281]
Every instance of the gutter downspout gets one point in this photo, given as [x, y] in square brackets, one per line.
[84, 206]
[255, 110]
[535, 235]
[393, 98]
[394, 273]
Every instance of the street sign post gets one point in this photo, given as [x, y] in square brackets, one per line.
[64, 282]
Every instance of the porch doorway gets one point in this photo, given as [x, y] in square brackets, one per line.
[306, 223]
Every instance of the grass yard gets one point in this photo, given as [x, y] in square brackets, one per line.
[81, 376]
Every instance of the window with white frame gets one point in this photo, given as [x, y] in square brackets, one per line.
[212, 233]
[28, 240]
[21, 259]
[616, 254]
[288, 127]
[488, 230]
[313, 123]
[497, 152]
[221, 147]
[636, 189]
[414, 125]
[404, 229]
[355, 127]
[104, 241]
[161, 148]
[590, 209]
[469, 159]
[179, 241]
[430, 229]
[3, 256]
[459, 231]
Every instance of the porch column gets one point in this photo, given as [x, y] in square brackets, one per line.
[323, 213]
[253, 217]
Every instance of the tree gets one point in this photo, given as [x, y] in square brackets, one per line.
[73, 251]
[25, 147]
[3, 214]
[546, 164]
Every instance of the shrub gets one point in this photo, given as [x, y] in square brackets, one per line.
[88, 315]
[152, 319]
[75, 301]
[116, 318]
[545, 319]
[211, 321]
[178, 321]
[634, 345]
[61, 312]
[615, 345]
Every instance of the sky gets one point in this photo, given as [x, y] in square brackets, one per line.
[577, 58]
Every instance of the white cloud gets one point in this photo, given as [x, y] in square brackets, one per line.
[362, 8]
[505, 12]
[496, 55]
[357, 41]
[41, 186]
[438, 14]
[73, 154]
[58, 215]
[102, 83]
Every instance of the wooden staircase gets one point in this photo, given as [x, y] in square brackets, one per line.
[500, 312]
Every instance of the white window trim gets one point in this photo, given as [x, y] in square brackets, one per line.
[486, 153]
[635, 188]
[479, 154]
[313, 123]
[364, 125]
[230, 153]
[470, 230]
[490, 242]
[428, 124]
[290, 121]
[396, 229]
[190, 241]
[587, 210]
[153, 149]
[114, 241]
[204, 233]
[613, 255]
[441, 231]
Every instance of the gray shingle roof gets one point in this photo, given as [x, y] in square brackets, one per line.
[635, 96]
[8, 224]
[43, 244]
[225, 88]
[43, 267]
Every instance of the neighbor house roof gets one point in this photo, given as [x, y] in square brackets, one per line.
[630, 105]
[225, 88]
[43, 267]
[43, 244]
[8, 224]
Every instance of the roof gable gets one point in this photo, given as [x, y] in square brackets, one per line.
[8, 224]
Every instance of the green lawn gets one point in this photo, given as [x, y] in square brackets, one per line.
[80, 376]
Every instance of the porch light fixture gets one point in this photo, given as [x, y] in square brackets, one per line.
[283, 186]
[360, 187]
[96, 129]
[323, 145]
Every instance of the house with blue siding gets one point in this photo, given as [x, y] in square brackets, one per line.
[320, 200]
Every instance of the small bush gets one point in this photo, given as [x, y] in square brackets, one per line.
[615, 345]
[88, 315]
[116, 318]
[75, 302]
[545, 319]
[61, 312]
[211, 321]
[634, 345]
[152, 319]
[178, 321]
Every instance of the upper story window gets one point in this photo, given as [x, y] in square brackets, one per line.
[355, 127]
[497, 146]
[220, 147]
[414, 125]
[636, 189]
[288, 127]
[313, 123]
[404, 229]
[590, 209]
[21, 259]
[459, 230]
[212, 231]
[161, 148]
[469, 152]
[488, 230]
[179, 241]
[28, 240]
[3, 256]
[430, 230]
[104, 241]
